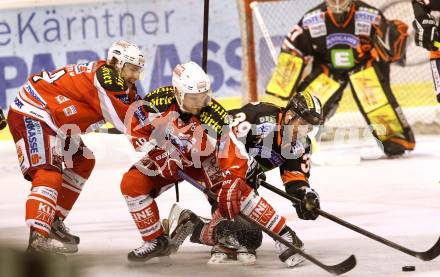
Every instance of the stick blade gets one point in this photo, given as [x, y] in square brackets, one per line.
[431, 253]
[342, 267]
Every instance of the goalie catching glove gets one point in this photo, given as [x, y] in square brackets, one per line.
[309, 202]
[426, 32]
[390, 40]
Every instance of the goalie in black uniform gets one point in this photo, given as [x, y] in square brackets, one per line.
[276, 138]
[350, 43]
[428, 36]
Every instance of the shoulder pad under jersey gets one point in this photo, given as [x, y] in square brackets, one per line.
[215, 116]
[160, 99]
[110, 79]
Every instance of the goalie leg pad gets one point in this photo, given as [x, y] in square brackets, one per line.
[373, 95]
[229, 233]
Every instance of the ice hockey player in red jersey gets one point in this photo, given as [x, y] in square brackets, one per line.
[274, 137]
[46, 119]
[186, 130]
[427, 35]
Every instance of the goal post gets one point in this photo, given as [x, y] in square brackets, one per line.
[264, 27]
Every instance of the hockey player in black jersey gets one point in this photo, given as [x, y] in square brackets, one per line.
[427, 35]
[350, 43]
[274, 137]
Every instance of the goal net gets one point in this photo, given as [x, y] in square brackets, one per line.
[412, 84]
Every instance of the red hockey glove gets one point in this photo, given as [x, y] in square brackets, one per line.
[167, 163]
[229, 196]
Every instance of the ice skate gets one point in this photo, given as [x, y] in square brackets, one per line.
[40, 244]
[224, 255]
[180, 225]
[286, 255]
[60, 232]
[158, 247]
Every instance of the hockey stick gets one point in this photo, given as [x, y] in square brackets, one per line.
[264, 30]
[337, 269]
[428, 255]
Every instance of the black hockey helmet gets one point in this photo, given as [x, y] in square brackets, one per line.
[306, 106]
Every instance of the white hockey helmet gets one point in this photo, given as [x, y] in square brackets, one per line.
[190, 81]
[125, 52]
[339, 6]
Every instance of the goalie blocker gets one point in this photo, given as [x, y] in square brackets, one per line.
[352, 46]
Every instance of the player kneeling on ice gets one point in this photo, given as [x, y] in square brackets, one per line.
[273, 137]
[54, 158]
[187, 131]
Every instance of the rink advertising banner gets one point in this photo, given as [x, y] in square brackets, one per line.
[169, 32]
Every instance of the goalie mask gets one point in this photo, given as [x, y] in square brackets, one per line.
[193, 87]
[339, 8]
[127, 59]
[302, 114]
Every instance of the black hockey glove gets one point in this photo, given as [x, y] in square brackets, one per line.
[426, 32]
[310, 201]
[2, 120]
[255, 174]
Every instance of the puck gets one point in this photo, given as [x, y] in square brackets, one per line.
[408, 268]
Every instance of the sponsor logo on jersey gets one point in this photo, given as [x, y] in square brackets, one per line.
[215, 116]
[313, 18]
[31, 90]
[35, 140]
[69, 111]
[61, 99]
[315, 22]
[123, 98]
[341, 38]
[264, 129]
[267, 119]
[367, 16]
[18, 103]
[22, 155]
[342, 58]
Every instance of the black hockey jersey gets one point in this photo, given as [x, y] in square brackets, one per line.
[338, 45]
[259, 128]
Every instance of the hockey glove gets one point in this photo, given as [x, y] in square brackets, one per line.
[426, 32]
[229, 196]
[309, 202]
[2, 120]
[167, 163]
[255, 174]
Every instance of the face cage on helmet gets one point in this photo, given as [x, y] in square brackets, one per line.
[339, 6]
[181, 99]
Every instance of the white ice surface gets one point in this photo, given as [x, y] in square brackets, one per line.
[398, 199]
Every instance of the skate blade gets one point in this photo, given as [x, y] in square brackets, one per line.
[64, 248]
[162, 260]
[222, 260]
[246, 259]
